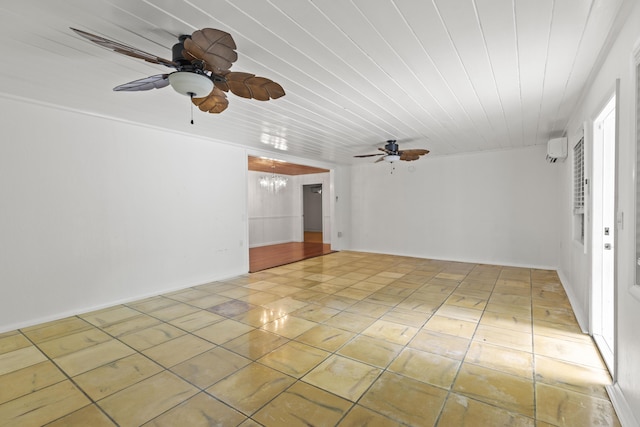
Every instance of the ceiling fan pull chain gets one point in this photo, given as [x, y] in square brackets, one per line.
[191, 96]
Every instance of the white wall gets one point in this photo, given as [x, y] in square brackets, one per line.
[277, 217]
[573, 262]
[340, 206]
[96, 211]
[272, 216]
[494, 207]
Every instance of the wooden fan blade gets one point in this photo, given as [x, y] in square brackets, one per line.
[215, 47]
[370, 155]
[410, 155]
[247, 85]
[153, 82]
[216, 102]
[417, 151]
[380, 159]
[124, 49]
[385, 150]
[222, 83]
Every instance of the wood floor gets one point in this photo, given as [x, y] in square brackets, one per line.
[313, 237]
[264, 257]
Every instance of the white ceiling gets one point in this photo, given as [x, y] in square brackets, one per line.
[447, 75]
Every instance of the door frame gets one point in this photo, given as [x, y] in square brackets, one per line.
[597, 240]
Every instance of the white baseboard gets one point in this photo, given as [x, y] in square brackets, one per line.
[623, 410]
[76, 311]
[578, 310]
[501, 263]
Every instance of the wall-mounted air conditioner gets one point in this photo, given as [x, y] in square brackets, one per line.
[556, 150]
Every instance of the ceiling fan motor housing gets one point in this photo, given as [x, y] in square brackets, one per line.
[391, 146]
[190, 79]
[177, 53]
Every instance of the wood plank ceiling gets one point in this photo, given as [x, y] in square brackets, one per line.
[260, 164]
[452, 76]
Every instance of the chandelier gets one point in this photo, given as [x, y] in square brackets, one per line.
[273, 183]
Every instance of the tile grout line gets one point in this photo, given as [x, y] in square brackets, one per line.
[383, 370]
[453, 381]
[404, 347]
[395, 267]
[69, 377]
[335, 353]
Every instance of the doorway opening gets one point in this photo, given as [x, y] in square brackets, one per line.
[312, 225]
[603, 254]
[275, 212]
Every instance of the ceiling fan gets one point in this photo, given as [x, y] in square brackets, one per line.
[392, 153]
[202, 61]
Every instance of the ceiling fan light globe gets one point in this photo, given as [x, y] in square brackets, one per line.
[191, 84]
[391, 158]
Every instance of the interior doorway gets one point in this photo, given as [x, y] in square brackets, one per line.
[603, 248]
[312, 225]
[275, 217]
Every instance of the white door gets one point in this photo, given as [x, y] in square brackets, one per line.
[603, 232]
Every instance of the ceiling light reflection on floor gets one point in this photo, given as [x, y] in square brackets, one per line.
[280, 322]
